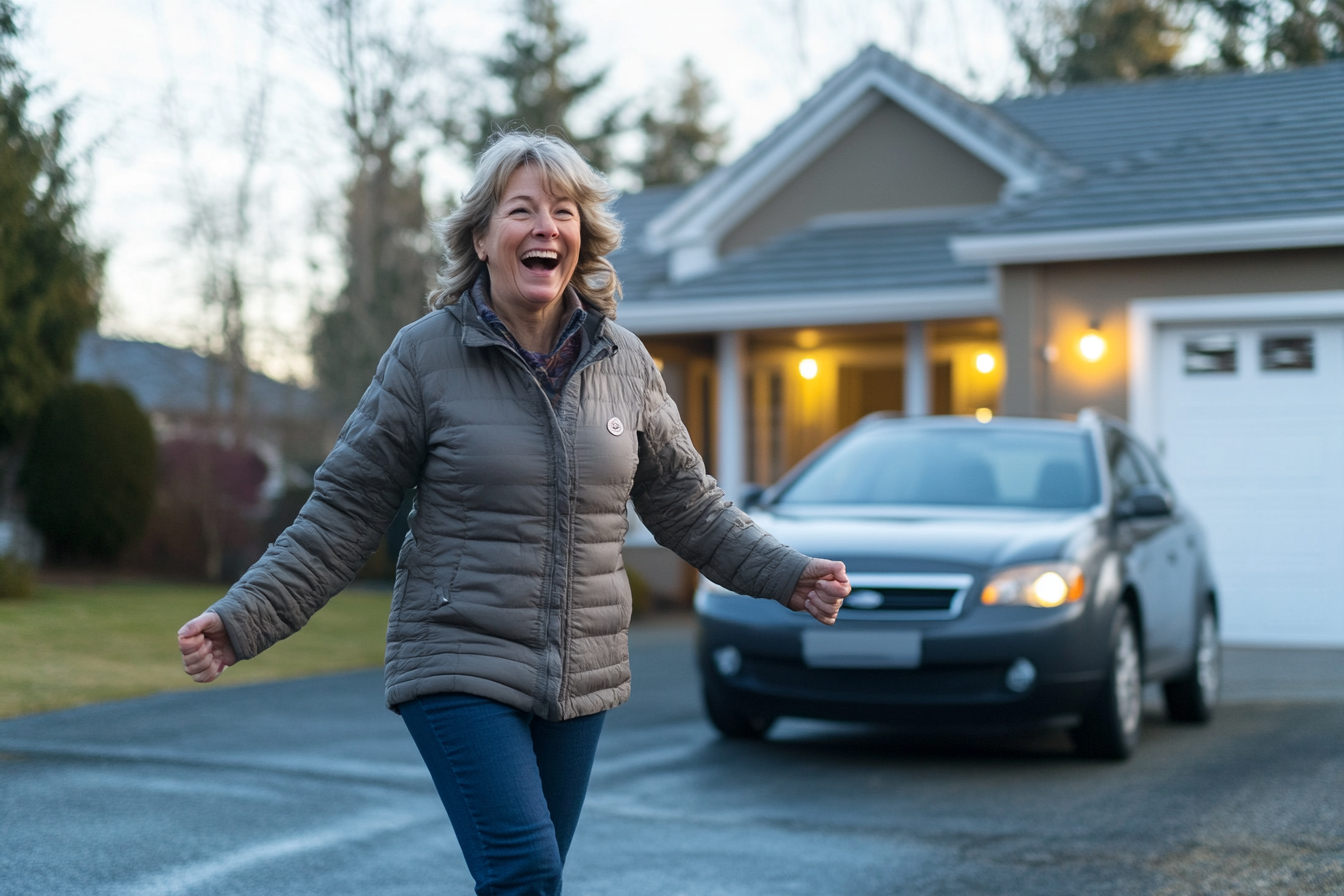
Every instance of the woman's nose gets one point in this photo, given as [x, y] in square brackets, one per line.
[545, 225]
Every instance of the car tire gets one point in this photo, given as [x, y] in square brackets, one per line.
[1110, 726]
[1193, 696]
[733, 721]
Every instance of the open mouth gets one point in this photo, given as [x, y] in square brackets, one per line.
[541, 260]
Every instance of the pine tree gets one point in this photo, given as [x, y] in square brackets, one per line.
[542, 90]
[682, 147]
[48, 274]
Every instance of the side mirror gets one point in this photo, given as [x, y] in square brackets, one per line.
[1144, 501]
[751, 495]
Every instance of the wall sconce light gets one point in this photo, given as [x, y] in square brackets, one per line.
[1093, 345]
[807, 368]
[984, 362]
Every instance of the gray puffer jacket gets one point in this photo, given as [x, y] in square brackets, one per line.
[510, 584]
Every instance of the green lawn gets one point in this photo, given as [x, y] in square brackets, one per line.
[67, 646]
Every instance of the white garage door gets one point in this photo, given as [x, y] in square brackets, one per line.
[1251, 425]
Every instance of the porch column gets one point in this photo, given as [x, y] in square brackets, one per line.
[916, 370]
[730, 453]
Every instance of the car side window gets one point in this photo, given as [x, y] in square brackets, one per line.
[1128, 470]
[1155, 472]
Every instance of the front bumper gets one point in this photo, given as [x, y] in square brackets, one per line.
[960, 681]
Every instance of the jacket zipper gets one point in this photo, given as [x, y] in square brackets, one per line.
[595, 353]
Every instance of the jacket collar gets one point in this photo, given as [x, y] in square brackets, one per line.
[476, 333]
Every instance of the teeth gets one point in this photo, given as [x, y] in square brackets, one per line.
[540, 253]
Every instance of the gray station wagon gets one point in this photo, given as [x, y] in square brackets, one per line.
[1008, 574]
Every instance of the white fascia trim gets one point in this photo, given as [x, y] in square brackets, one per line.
[1147, 240]
[712, 315]
[1146, 316]
[712, 209]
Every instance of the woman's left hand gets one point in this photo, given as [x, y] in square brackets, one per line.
[821, 589]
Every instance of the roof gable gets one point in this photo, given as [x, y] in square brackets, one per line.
[693, 226]
[889, 161]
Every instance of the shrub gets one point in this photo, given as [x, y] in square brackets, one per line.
[16, 577]
[89, 475]
[208, 518]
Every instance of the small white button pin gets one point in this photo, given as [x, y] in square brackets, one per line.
[615, 426]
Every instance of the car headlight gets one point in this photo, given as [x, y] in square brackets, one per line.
[1035, 585]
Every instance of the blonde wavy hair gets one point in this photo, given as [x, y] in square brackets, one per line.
[566, 174]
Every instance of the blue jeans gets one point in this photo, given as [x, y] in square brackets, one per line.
[513, 785]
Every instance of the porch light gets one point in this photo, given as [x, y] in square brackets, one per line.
[1092, 346]
[984, 362]
[807, 368]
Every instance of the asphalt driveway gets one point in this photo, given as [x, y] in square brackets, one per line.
[311, 786]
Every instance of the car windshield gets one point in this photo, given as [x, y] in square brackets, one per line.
[971, 466]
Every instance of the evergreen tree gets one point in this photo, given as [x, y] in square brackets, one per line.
[89, 476]
[1071, 42]
[48, 274]
[682, 147]
[1284, 32]
[535, 69]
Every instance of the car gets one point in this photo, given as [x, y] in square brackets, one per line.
[1006, 574]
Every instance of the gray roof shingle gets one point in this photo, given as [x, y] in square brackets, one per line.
[1186, 149]
[1166, 151]
[871, 257]
[163, 378]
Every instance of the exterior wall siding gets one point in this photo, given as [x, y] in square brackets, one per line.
[890, 160]
[1049, 307]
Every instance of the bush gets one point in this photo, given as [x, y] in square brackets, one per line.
[89, 475]
[16, 577]
[209, 514]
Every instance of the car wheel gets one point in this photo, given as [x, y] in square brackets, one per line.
[733, 721]
[1192, 697]
[1110, 727]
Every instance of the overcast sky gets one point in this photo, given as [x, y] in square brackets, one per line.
[160, 87]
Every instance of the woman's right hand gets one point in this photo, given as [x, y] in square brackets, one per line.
[206, 648]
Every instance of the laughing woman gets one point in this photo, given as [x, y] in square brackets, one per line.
[527, 418]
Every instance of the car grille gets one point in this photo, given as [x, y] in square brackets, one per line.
[906, 595]
[914, 598]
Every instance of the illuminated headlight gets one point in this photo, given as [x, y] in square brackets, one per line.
[1036, 585]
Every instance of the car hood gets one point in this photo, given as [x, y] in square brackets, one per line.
[912, 539]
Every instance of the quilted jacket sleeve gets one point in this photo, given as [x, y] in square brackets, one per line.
[356, 493]
[687, 512]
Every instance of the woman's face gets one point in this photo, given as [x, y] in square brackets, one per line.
[531, 244]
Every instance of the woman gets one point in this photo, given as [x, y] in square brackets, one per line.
[527, 419]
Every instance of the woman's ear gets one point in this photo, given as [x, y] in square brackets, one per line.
[479, 242]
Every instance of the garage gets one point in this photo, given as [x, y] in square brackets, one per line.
[1249, 417]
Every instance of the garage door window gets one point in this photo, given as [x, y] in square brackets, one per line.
[1215, 353]
[1295, 351]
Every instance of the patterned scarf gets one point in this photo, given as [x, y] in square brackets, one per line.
[551, 369]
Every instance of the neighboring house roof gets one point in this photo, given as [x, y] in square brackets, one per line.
[177, 380]
[1195, 163]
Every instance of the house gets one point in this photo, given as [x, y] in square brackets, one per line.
[187, 395]
[1170, 251]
